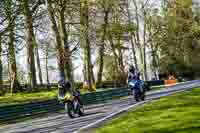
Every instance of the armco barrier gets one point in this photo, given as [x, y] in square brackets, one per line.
[23, 110]
[156, 82]
[103, 96]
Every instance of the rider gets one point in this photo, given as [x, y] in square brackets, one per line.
[134, 76]
[63, 87]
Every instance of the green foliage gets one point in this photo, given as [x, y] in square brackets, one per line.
[176, 31]
[109, 66]
[120, 29]
[116, 28]
[196, 30]
[129, 28]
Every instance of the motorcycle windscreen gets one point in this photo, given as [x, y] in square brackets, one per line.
[132, 83]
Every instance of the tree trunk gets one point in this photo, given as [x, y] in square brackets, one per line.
[38, 65]
[46, 65]
[92, 74]
[65, 43]
[1, 70]
[134, 52]
[121, 61]
[154, 62]
[102, 47]
[12, 61]
[30, 45]
[144, 49]
[137, 23]
[85, 40]
[114, 52]
[61, 59]
[141, 60]
[11, 49]
[137, 35]
[132, 38]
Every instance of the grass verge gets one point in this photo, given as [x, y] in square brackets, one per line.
[179, 113]
[20, 98]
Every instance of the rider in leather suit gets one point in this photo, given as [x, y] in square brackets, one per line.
[63, 87]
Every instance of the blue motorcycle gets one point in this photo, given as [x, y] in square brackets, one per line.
[138, 89]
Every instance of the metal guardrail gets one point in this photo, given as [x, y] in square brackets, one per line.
[103, 96]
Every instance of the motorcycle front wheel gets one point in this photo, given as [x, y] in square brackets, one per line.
[69, 107]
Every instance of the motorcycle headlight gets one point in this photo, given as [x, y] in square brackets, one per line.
[132, 84]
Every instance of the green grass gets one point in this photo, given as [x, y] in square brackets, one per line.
[20, 98]
[179, 113]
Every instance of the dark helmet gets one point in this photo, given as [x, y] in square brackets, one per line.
[67, 84]
[132, 68]
[61, 81]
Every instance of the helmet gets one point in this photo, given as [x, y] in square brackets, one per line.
[61, 81]
[131, 68]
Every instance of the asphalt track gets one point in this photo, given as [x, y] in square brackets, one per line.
[61, 123]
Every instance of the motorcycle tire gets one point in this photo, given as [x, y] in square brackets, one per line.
[81, 111]
[143, 96]
[69, 107]
[137, 97]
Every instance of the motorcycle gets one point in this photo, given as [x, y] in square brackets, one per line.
[73, 105]
[138, 88]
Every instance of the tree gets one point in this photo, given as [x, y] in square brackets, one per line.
[1, 65]
[1, 69]
[85, 42]
[38, 64]
[65, 41]
[106, 10]
[31, 44]
[46, 64]
[154, 29]
[10, 10]
[54, 26]
[132, 35]
[177, 36]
